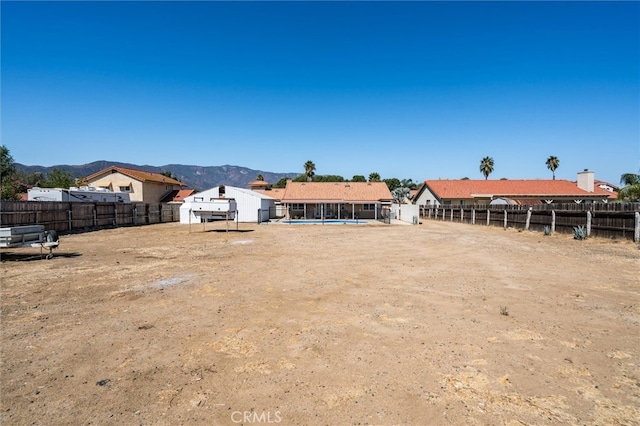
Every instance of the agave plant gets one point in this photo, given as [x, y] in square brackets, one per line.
[579, 233]
[547, 230]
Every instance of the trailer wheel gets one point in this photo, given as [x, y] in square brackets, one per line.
[52, 236]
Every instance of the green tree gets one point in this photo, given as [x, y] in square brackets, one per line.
[22, 181]
[631, 189]
[281, 183]
[260, 178]
[8, 185]
[408, 183]
[168, 174]
[59, 179]
[400, 194]
[358, 178]
[7, 166]
[328, 178]
[374, 177]
[309, 170]
[552, 164]
[486, 167]
[392, 183]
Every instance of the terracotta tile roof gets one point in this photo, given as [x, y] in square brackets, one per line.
[177, 195]
[139, 175]
[275, 193]
[307, 192]
[454, 189]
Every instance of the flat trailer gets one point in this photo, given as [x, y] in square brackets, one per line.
[29, 236]
[215, 208]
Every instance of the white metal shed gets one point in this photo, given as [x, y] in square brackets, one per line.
[251, 205]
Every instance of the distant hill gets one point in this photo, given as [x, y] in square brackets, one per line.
[196, 177]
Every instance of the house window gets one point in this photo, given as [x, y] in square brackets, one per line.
[368, 207]
[297, 206]
[125, 189]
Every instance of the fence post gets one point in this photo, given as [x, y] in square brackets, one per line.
[135, 215]
[636, 230]
[526, 226]
[444, 210]
[115, 214]
[505, 218]
[95, 216]
[451, 214]
[488, 216]
[553, 221]
[69, 213]
[461, 215]
[473, 216]
[588, 223]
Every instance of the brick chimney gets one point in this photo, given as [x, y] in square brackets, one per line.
[586, 180]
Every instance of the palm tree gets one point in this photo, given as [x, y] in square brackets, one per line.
[401, 194]
[631, 190]
[309, 170]
[486, 167]
[552, 164]
[374, 177]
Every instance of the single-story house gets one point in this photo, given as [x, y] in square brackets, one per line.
[251, 206]
[532, 191]
[340, 200]
[142, 186]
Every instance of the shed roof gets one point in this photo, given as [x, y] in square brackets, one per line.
[258, 194]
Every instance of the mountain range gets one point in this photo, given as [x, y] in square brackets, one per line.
[196, 177]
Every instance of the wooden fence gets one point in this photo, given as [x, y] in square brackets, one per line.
[66, 217]
[615, 220]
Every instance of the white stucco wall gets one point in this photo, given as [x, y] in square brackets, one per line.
[406, 212]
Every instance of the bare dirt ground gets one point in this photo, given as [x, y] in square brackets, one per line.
[439, 323]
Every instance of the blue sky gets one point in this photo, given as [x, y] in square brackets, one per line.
[419, 90]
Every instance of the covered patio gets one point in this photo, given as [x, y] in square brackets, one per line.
[336, 200]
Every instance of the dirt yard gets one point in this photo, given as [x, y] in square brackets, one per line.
[439, 323]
